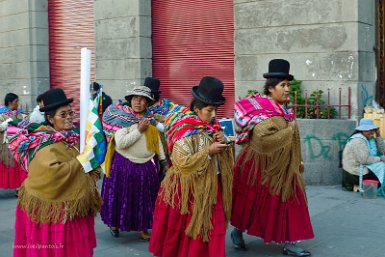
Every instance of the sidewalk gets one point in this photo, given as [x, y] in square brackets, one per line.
[345, 225]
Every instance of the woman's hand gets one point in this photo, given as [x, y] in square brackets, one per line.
[95, 174]
[4, 124]
[143, 124]
[216, 147]
[220, 137]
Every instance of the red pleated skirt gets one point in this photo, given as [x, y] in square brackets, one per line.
[75, 238]
[168, 238]
[262, 214]
[11, 177]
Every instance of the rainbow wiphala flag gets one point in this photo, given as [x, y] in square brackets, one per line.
[95, 148]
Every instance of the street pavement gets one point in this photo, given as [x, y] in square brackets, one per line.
[345, 225]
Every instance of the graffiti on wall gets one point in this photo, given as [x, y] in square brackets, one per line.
[320, 149]
[317, 148]
[366, 98]
[341, 138]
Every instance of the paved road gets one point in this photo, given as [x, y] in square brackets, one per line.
[345, 225]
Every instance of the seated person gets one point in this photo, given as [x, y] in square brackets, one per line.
[365, 146]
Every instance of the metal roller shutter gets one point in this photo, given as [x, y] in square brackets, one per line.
[71, 27]
[192, 39]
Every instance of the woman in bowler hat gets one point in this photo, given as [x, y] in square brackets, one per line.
[58, 201]
[269, 199]
[194, 203]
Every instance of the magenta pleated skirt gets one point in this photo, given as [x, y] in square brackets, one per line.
[168, 238]
[75, 238]
[11, 177]
[263, 214]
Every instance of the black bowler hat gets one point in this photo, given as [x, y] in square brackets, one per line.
[95, 86]
[278, 68]
[54, 98]
[153, 84]
[209, 91]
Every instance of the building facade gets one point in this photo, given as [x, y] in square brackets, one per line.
[330, 45]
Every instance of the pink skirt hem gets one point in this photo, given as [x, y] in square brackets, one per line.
[169, 239]
[11, 177]
[264, 215]
[75, 238]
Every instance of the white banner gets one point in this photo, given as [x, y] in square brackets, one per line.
[85, 80]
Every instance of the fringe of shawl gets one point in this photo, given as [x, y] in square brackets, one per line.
[279, 170]
[43, 211]
[178, 189]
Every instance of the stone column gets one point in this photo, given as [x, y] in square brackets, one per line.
[24, 58]
[122, 44]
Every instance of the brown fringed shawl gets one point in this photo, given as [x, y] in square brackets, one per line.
[57, 189]
[192, 182]
[275, 147]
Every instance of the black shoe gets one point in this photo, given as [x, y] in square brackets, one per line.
[145, 236]
[114, 232]
[236, 237]
[287, 251]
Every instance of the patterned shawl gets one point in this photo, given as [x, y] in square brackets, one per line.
[28, 141]
[118, 116]
[186, 123]
[8, 112]
[252, 110]
[24, 124]
[165, 107]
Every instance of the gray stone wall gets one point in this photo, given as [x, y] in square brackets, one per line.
[122, 44]
[24, 58]
[321, 141]
[328, 43]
